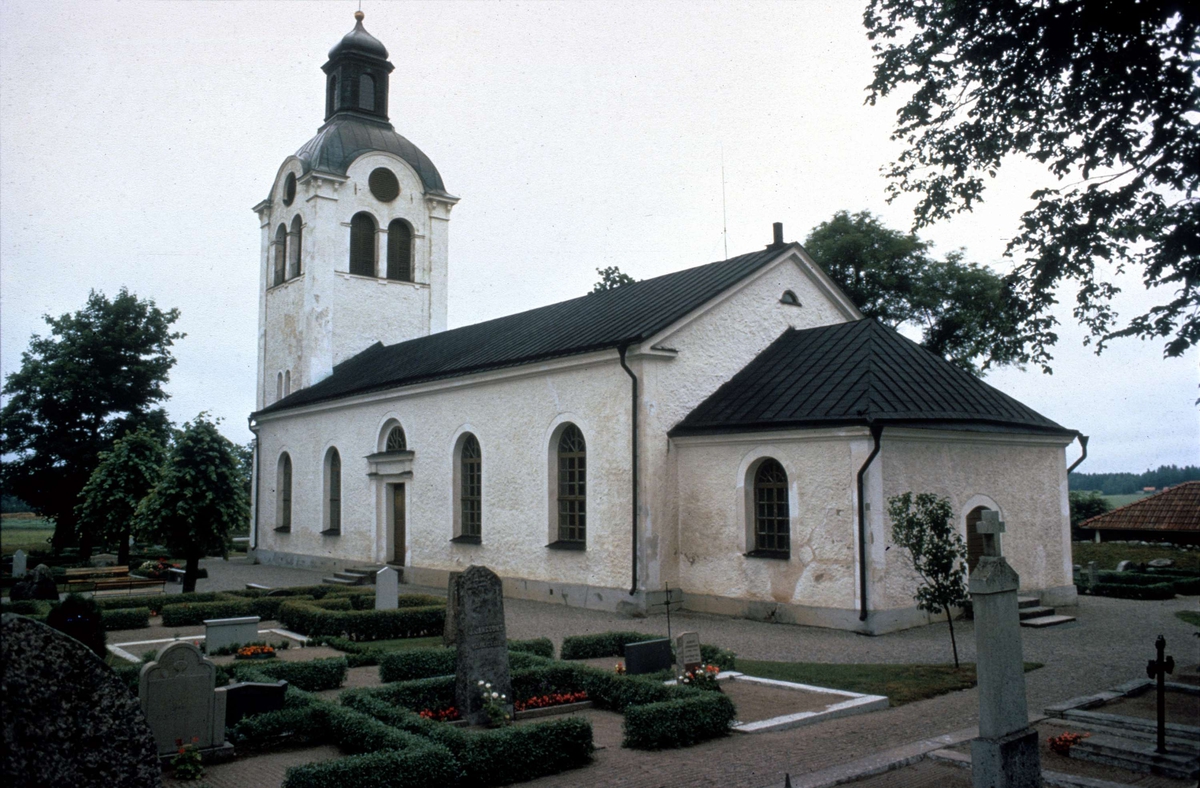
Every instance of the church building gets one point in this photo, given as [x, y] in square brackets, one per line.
[732, 430]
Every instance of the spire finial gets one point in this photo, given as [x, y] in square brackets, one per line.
[359, 15]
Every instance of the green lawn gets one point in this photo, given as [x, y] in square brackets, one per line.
[900, 683]
[1107, 556]
[1189, 617]
[24, 534]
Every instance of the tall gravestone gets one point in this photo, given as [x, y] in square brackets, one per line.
[450, 630]
[179, 698]
[387, 589]
[1006, 753]
[482, 644]
[68, 719]
[19, 559]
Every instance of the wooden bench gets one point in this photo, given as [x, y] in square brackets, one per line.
[88, 573]
[128, 585]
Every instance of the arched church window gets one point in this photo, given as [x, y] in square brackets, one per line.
[278, 386]
[294, 246]
[399, 251]
[572, 486]
[395, 440]
[362, 245]
[771, 516]
[383, 184]
[287, 382]
[333, 493]
[283, 509]
[289, 188]
[471, 488]
[280, 252]
[366, 92]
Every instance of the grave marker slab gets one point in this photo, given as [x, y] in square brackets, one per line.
[687, 650]
[246, 698]
[387, 589]
[482, 642]
[649, 656]
[450, 630]
[177, 696]
[220, 633]
[19, 563]
[68, 720]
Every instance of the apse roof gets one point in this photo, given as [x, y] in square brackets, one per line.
[859, 372]
[628, 314]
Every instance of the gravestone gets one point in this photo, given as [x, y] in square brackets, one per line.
[68, 720]
[178, 697]
[482, 644]
[1093, 575]
[687, 651]
[1127, 566]
[19, 564]
[1006, 753]
[104, 559]
[387, 589]
[450, 630]
[221, 633]
[247, 698]
[1160, 563]
[649, 656]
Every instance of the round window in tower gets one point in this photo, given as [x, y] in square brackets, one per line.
[289, 189]
[383, 184]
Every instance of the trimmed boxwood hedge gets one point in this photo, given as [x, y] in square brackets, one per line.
[418, 695]
[603, 644]
[1155, 591]
[415, 767]
[314, 675]
[543, 647]
[518, 753]
[417, 663]
[405, 622]
[126, 618]
[678, 723]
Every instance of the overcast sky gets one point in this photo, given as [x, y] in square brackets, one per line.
[135, 137]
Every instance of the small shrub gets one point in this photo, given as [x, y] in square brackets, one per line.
[722, 658]
[419, 663]
[126, 618]
[301, 724]
[603, 644]
[542, 647]
[313, 676]
[81, 619]
[520, 753]
[678, 723]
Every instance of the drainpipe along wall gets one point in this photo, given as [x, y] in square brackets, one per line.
[876, 434]
[257, 466]
[633, 584]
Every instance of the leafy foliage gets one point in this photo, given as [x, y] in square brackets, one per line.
[125, 476]
[611, 278]
[81, 619]
[98, 375]
[1128, 483]
[1085, 504]
[199, 499]
[923, 527]
[958, 306]
[1099, 93]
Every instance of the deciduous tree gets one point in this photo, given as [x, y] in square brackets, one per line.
[1104, 94]
[199, 499]
[959, 307]
[98, 375]
[611, 278]
[922, 526]
[125, 476]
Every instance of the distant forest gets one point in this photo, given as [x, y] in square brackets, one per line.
[1127, 483]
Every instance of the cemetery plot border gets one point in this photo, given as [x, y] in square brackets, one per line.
[854, 703]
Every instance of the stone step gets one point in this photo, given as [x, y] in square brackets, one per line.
[1034, 612]
[353, 577]
[338, 581]
[1046, 621]
[1028, 601]
[1175, 740]
[1129, 725]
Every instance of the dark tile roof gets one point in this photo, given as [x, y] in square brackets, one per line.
[346, 137]
[609, 319]
[1176, 509]
[856, 373]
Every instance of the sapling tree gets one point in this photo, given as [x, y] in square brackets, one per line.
[921, 524]
[125, 476]
[199, 499]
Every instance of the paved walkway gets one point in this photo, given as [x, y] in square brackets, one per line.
[1108, 645]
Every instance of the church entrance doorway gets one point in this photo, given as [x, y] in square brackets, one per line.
[974, 538]
[398, 523]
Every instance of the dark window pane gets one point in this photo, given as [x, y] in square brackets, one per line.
[572, 487]
[399, 261]
[771, 514]
[472, 488]
[362, 245]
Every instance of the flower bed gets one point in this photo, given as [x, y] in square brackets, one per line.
[255, 651]
[548, 701]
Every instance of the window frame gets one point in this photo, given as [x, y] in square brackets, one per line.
[766, 532]
[396, 248]
[332, 515]
[468, 490]
[279, 256]
[359, 255]
[570, 507]
[283, 505]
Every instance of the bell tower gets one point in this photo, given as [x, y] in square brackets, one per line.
[355, 233]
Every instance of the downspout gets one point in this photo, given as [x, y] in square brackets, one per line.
[257, 479]
[1083, 439]
[633, 585]
[876, 434]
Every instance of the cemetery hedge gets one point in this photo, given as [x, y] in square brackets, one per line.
[678, 723]
[424, 663]
[1123, 591]
[404, 622]
[126, 618]
[612, 644]
[543, 647]
[416, 767]
[314, 675]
